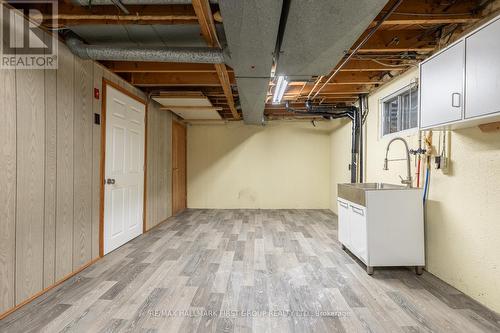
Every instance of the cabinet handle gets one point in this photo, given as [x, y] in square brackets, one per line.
[358, 211]
[455, 100]
[343, 204]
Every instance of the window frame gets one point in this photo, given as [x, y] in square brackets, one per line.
[398, 93]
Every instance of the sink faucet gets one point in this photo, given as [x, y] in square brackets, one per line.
[408, 180]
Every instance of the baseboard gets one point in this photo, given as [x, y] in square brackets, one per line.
[40, 293]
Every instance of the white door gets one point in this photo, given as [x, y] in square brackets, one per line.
[483, 71]
[441, 87]
[124, 169]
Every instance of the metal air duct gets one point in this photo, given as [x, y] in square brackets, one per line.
[251, 28]
[177, 54]
[135, 2]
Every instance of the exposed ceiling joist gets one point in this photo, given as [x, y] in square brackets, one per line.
[349, 77]
[388, 41]
[340, 89]
[431, 8]
[207, 25]
[159, 67]
[368, 65]
[405, 20]
[71, 15]
[179, 79]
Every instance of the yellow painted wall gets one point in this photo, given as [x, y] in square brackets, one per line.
[282, 165]
[463, 211]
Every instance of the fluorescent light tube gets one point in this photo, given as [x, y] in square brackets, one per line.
[279, 90]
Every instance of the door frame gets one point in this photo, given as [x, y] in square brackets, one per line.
[172, 166]
[105, 83]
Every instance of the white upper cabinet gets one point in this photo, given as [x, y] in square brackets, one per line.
[441, 87]
[483, 71]
[460, 86]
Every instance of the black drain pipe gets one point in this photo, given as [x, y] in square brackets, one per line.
[361, 143]
[354, 146]
[329, 112]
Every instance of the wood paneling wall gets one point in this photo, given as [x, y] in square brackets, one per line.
[49, 179]
[159, 170]
[8, 177]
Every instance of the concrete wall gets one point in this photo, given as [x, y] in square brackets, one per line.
[462, 217]
[282, 165]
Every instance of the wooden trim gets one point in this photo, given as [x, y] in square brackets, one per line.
[40, 293]
[105, 83]
[172, 165]
[145, 187]
[101, 169]
[123, 90]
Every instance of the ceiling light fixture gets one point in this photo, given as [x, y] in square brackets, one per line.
[279, 90]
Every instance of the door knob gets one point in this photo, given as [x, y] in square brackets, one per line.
[110, 181]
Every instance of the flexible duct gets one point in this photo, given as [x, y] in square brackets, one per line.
[136, 2]
[178, 54]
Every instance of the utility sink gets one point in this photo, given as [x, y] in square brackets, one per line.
[356, 192]
[382, 224]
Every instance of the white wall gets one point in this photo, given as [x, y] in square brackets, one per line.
[463, 210]
[282, 165]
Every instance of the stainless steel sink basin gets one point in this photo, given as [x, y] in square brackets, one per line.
[376, 186]
[356, 192]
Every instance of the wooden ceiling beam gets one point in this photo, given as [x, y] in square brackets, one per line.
[356, 65]
[207, 25]
[339, 89]
[159, 67]
[72, 15]
[390, 41]
[348, 77]
[431, 8]
[405, 20]
[179, 79]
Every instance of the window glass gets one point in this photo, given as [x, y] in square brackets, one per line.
[400, 111]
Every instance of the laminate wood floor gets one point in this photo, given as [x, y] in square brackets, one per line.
[247, 270]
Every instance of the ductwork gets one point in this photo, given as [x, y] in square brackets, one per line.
[319, 32]
[177, 54]
[310, 40]
[136, 2]
[251, 28]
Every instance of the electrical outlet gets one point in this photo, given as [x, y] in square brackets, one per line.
[437, 162]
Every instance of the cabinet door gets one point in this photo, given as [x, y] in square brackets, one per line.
[343, 223]
[441, 87]
[483, 71]
[357, 220]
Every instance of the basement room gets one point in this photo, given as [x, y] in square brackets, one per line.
[249, 166]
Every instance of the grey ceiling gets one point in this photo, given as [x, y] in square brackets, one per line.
[319, 31]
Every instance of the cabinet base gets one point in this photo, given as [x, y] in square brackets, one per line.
[419, 270]
[369, 270]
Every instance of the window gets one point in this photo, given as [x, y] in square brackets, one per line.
[400, 110]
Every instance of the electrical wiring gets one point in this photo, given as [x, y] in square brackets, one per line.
[392, 65]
